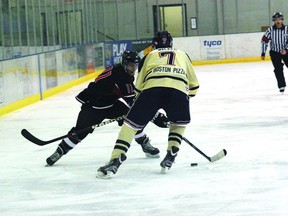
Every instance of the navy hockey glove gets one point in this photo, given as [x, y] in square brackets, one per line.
[120, 122]
[160, 120]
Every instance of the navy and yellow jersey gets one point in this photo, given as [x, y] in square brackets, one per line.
[167, 67]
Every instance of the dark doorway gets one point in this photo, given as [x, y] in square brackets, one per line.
[170, 18]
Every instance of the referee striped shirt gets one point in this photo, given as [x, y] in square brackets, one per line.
[278, 38]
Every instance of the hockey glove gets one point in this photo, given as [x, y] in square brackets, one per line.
[120, 122]
[160, 120]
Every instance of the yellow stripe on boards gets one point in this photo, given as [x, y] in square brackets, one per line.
[48, 93]
[65, 86]
[230, 60]
[19, 104]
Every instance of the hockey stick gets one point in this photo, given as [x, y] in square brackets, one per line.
[39, 142]
[214, 158]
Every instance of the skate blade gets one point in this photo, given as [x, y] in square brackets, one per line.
[152, 156]
[163, 170]
[101, 175]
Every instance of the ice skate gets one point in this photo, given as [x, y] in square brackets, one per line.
[111, 168]
[149, 150]
[55, 156]
[169, 159]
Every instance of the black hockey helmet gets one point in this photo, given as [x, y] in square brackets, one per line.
[130, 56]
[162, 39]
[277, 15]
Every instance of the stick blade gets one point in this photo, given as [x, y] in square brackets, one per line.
[25, 133]
[218, 156]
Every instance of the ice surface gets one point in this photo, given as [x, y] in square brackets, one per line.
[238, 107]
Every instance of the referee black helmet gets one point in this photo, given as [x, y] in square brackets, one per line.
[277, 15]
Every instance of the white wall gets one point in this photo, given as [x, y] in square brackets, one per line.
[28, 76]
[220, 46]
[19, 79]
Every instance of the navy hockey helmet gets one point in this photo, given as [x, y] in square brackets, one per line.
[277, 15]
[162, 39]
[130, 56]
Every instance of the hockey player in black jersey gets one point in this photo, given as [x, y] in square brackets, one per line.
[100, 100]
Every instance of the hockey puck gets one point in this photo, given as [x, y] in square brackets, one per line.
[194, 164]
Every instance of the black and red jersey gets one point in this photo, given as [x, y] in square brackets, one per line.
[108, 87]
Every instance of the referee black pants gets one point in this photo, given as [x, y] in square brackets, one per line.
[277, 58]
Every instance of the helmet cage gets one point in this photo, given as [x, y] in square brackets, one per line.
[130, 56]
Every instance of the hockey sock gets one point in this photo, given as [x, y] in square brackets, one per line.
[123, 141]
[64, 147]
[140, 135]
[69, 143]
[175, 136]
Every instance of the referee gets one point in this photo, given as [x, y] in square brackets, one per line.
[278, 37]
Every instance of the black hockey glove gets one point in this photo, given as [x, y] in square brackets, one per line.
[160, 120]
[120, 122]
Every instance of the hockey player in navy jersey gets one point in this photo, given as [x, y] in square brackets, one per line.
[100, 100]
[166, 80]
